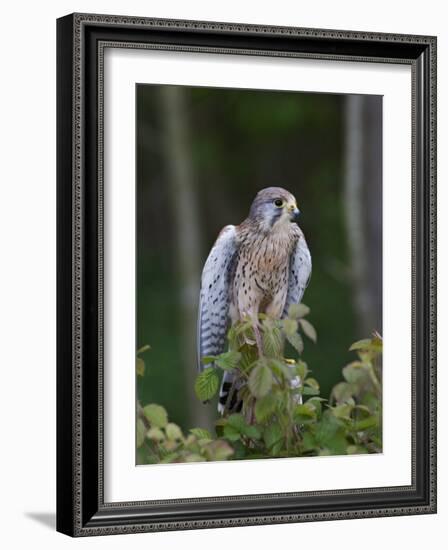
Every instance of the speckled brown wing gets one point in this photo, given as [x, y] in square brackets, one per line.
[214, 302]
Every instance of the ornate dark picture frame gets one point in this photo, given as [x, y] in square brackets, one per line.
[81, 39]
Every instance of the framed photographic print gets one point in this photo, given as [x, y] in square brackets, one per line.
[246, 274]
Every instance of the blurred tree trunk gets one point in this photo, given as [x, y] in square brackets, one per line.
[363, 207]
[183, 199]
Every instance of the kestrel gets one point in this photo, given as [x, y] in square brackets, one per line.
[262, 265]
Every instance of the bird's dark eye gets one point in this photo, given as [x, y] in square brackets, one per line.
[278, 203]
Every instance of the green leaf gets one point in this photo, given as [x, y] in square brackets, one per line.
[272, 339]
[362, 410]
[273, 437]
[144, 348]
[155, 434]
[355, 371]
[218, 450]
[139, 366]
[369, 422]
[252, 431]
[308, 442]
[308, 329]
[201, 433]
[296, 341]
[342, 411]
[208, 359]
[260, 380]
[374, 345]
[265, 407]
[231, 433]
[312, 383]
[173, 431]
[301, 369]
[237, 421]
[343, 391]
[241, 451]
[290, 326]
[377, 343]
[310, 391]
[304, 413]
[163, 451]
[248, 356]
[156, 415]
[243, 327]
[370, 400]
[316, 402]
[141, 431]
[228, 360]
[330, 434]
[360, 344]
[281, 369]
[170, 445]
[296, 311]
[207, 384]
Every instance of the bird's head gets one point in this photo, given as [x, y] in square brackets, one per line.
[274, 207]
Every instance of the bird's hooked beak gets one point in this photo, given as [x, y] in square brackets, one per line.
[294, 212]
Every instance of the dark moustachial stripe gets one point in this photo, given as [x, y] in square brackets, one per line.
[276, 216]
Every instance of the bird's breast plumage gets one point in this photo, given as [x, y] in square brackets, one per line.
[260, 279]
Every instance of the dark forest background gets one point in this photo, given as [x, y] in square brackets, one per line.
[202, 155]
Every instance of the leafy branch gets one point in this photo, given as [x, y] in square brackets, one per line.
[280, 412]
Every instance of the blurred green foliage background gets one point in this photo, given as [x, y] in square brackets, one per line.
[202, 155]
